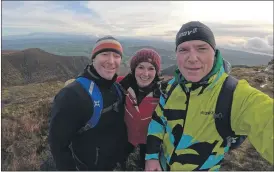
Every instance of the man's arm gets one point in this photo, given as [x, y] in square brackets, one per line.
[156, 131]
[63, 126]
[252, 115]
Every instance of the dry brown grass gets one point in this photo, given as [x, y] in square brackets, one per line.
[25, 124]
[22, 138]
[256, 77]
[245, 158]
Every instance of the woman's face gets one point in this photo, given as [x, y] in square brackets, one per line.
[145, 73]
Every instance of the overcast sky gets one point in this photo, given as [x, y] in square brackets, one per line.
[235, 24]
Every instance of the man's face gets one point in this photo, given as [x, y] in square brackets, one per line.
[107, 64]
[195, 59]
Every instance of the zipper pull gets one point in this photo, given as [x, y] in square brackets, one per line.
[97, 155]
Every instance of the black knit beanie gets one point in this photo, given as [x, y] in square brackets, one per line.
[195, 30]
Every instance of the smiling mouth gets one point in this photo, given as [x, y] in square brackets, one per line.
[193, 69]
[109, 69]
[144, 78]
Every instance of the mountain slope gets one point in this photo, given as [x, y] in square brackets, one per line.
[35, 65]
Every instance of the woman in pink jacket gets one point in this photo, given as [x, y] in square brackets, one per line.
[142, 87]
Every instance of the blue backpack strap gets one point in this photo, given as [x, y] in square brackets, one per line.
[97, 101]
[223, 113]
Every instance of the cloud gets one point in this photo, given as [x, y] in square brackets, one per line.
[243, 29]
[230, 23]
[135, 18]
[212, 11]
[49, 17]
[270, 40]
[234, 43]
[258, 44]
[254, 44]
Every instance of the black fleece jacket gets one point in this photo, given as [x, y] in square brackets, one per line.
[99, 148]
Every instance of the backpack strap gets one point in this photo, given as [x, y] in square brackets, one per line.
[97, 101]
[223, 111]
[119, 99]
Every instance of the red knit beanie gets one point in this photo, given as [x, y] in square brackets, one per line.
[146, 55]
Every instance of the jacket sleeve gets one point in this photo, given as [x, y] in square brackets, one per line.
[252, 115]
[156, 131]
[63, 126]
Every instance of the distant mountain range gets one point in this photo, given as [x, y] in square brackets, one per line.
[35, 65]
[81, 45]
[42, 57]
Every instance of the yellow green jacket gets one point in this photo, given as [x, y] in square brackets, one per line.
[199, 144]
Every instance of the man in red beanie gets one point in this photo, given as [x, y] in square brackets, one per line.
[87, 129]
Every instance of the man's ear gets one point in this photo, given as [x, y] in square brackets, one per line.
[92, 61]
[216, 52]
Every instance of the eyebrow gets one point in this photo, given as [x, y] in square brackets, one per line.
[144, 66]
[201, 45]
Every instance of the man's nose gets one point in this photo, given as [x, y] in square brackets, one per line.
[193, 57]
[111, 58]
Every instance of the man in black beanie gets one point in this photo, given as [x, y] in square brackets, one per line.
[203, 42]
[205, 112]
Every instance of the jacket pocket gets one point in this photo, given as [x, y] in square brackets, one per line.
[80, 166]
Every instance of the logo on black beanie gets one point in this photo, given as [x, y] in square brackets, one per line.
[187, 33]
[195, 31]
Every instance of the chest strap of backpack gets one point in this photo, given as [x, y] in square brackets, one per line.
[97, 101]
[223, 111]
